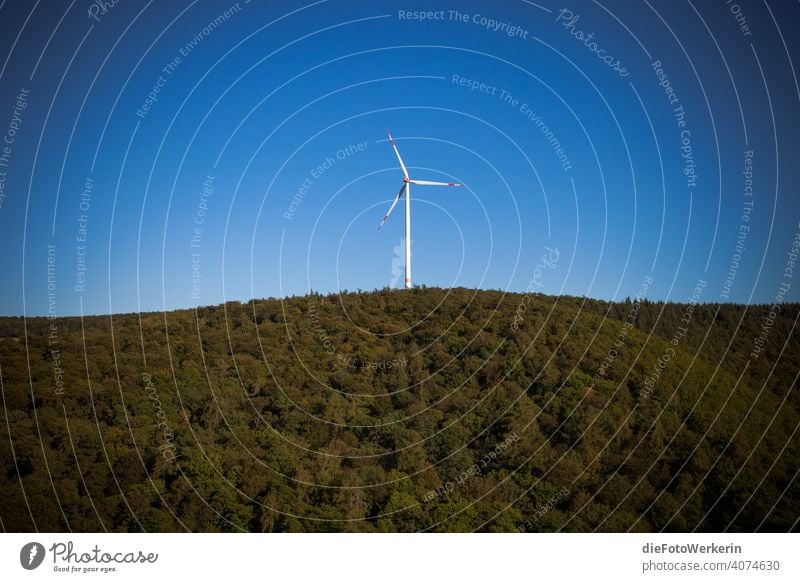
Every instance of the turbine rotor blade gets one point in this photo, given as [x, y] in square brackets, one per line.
[397, 153]
[429, 183]
[396, 200]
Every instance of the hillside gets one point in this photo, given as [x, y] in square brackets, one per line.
[438, 410]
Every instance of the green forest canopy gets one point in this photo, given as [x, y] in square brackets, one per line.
[433, 409]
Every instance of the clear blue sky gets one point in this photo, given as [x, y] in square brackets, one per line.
[272, 96]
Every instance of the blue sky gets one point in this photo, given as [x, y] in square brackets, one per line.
[256, 103]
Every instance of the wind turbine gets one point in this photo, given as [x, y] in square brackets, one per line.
[407, 190]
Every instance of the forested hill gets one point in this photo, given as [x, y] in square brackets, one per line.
[432, 409]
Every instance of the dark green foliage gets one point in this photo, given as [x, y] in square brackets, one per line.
[402, 411]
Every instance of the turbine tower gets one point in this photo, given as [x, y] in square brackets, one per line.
[406, 188]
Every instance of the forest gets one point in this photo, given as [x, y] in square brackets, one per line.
[437, 410]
